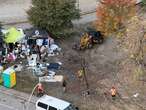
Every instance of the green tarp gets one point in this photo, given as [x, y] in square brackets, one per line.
[13, 35]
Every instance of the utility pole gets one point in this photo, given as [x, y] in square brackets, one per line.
[83, 65]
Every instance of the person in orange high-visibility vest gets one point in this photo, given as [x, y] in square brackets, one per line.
[40, 90]
[113, 92]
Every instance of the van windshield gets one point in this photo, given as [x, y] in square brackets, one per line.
[71, 107]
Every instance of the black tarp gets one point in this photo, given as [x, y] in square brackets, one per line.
[1, 39]
[32, 32]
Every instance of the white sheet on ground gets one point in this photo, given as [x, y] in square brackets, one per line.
[32, 60]
[53, 47]
[56, 78]
[39, 42]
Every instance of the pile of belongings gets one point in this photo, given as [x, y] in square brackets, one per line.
[11, 57]
[32, 60]
[51, 73]
[43, 41]
[53, 50]
[48, 69]
[54, 66]
[7, 44]
[38, 70]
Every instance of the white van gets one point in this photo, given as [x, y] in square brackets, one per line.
[51, 103]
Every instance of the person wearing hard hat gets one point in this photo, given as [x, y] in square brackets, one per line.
[113, 92]
[40, 90]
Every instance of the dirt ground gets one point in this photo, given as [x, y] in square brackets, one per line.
[102, 66]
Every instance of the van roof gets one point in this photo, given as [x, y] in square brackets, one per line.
[54, 102]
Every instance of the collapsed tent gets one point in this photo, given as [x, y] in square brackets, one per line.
[13, 35]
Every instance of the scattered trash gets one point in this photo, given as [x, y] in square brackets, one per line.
[52, 73]
[54, 66]
[136, 95]
[32, 59]
[37, 70]
[17, 68]
[53, 50]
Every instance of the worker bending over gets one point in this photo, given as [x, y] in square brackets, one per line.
[40, 90]
[113, 93]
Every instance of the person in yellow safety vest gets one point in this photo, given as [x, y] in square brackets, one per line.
[80, 74]
[113, 92]
[40, 90]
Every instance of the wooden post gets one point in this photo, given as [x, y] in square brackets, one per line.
[83, 64]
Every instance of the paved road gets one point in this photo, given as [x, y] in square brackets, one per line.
[15, 10]
[10, 100]
[84, 19]
[6, 107]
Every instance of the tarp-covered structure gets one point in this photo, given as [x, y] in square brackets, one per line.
[13, 35]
